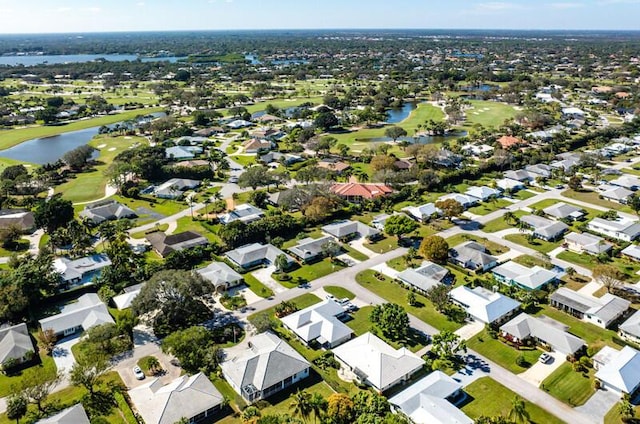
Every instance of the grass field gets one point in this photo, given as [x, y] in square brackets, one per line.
[339, 292]
[489, 114]
[594, 198]
[626, 267]
[569, 386]
[537, 244]
[256, 286]
[8, 384]
[10, 138]
[488, 207]
[493, 248]
[500, 224]
[500, 353]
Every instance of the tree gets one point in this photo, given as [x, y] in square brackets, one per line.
[340, 408]
[608, 276]
[53, 213]
[439, 296]
[383, 162]
[575, 183]
[626, 409]
[450, 208]
[634, 202]
[518, 413]
[10, 237]
[250, 415]
[318, 209]
[36, 387]
[395, 133]
[331, 249]
[46, 340]
[435, 249]
[254, 177]
[281, 262]
[446, 345]
[411, 298]
[14, 172]
[16, 407]
[194, 347]
[509, 217]
[301, 404]
[325, 121]
[259, 198]
[86, 375]
[78, 157]
[392, 320]
[318, 406]
[399, 225]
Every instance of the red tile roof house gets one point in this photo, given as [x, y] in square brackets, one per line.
[507, 141]
[357, 192]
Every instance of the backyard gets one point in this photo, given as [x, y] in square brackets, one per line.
[501, 353]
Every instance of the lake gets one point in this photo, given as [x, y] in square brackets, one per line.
[33, 60]
[50, 149]
[397, 115]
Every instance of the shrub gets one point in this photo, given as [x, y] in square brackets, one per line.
[522, 362]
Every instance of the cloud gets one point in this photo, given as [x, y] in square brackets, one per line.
[140, 4]
[563, 6]
[64, 9]
[497, 6]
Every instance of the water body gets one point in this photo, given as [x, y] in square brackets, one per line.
[429, 139]
[400, 114]
[50, 149]
[34, 60]
[482, 87]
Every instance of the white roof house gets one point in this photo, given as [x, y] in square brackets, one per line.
[601, 311]
[245, 213]
[429, 401]
[482, 192]
[124, 300]
[221, 275]
[319, 322]
[174, 188]
[509, 184]
[15, 343]
[544, 329]
[262, 365]
[630, 329]
[254, 254]
[465, 200]
[80, 271]
[621, 373]
[484, 305]
[622, 228]
[87, 312]
[544, 228]
[308, 249]
[472, 255]
[615, 194]
[632, 251]
[514, 274]
[73, 415]
[376, 363]
[588, 243]
[419, 212]
[342, 229]
[186, 396]
[424, 277]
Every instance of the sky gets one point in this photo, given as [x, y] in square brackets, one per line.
[46, 16]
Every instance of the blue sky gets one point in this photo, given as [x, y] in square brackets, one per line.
[28, 16]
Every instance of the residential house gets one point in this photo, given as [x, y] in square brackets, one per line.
[333, 165]
[615, 194]
[483, 193]
[544, 228]
[319, 323]
[24, 220]
[239, 123]
[564, 211]
[519, 175]
[124, 300]
[542, 330]
[447, 158]
[478, 151]
[473, 256]
[221, 275]
[15, 344]
[630, 329]
[208, 132]
[514, 274]
[73, 415]
[632, 252]
[375, 363]
[358, 192]
[244, 213]
[275, 158]
[465, 200]
[508, 184]
[539, 170]
[262, 365]
[425, 277]
[309, 249]
[251, 255]
[508, 141]
[484, 305]
[567, 161]
[422, 213]
[346, 230]
[164, 244]
[192, 397]
[630, 182]
[601, 311]
[379, 221]
[111, 210]
[621, 228]
[618, 371]
[432, 400]
[573, 113]
[182, 152]
[175, 188]
[80, 271]
[87, 312]
[587, 243]
[254, 145]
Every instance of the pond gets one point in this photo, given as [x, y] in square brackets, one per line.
[50, 149]
[395, 116]
[33, 60]
[481, 87]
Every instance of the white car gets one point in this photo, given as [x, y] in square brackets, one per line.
[544, 358]
[137, 372]
[233, 180]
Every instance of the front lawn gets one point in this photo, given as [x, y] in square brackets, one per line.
[537, 244]
[9, 384]
[489, 206]
[593, 198]
[492, 247]
[355, 254]
[570, 387]
[256, 286]
[302, 301]
[501, 353]
[500, 224]
[339, 292]
[383, 245]
[396, 293]
[490, 398]
[626, 267]
[523, 195]
[531, 261]
[310, 272]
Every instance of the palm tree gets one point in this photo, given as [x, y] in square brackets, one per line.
[301, 404]
[509, 216]
[250, 415]
[318, 405]
[518, 413]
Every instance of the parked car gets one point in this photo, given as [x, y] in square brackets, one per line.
[137, 372]
[330, 296]
[233, 179]
[544, 358]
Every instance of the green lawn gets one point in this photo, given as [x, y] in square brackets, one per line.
[399, 263]
[501, 353]
[539, 245]
[10, 383]
[569, 386]
[387, 244]
[10, 138]
[500, 224]
[626, 267]
[339, 292]
[489, 114]
[614, 416]
[493, 248]
[256, 286]
[283, 103]
[531, 261]
[142, 234]
[164, 207]
[355, 254]
[488, 207]
[395, 293]
[302, 301]
[243, 159]
[187, 224]
[594, 198]
[280, 403]
[490, 398]
[523, 195]
[310, 272]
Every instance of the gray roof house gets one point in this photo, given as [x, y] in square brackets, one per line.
[175, 188]
[632, 251]
[425, 277]
[615, 194]
[15, 344]
[192, 397]
[262, 365]
[514, 274]
[73, 415]
[622, 228]
[587, 243]
[19, 218]
[431, 400]
[375, 363]
[473, 256]
[97, 213]
[319, 322]
[630, 182]
[182, 152]
[484, 305]
[544, 228]
[350, 229]
[601, 311]
[80, 271]
[539, 170]
[254, 254]
[620, 371]
[464, 199]
[245, 213]
[87, 312]
[221, 275]
[563, 210]
[309, 249]
[630, 329]
[518, 175]
[164, 244]
[544, 330]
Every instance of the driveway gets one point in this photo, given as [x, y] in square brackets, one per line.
[539, 371]
[125, 367]
[599, 404]
[62, 355]
[264, 276]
